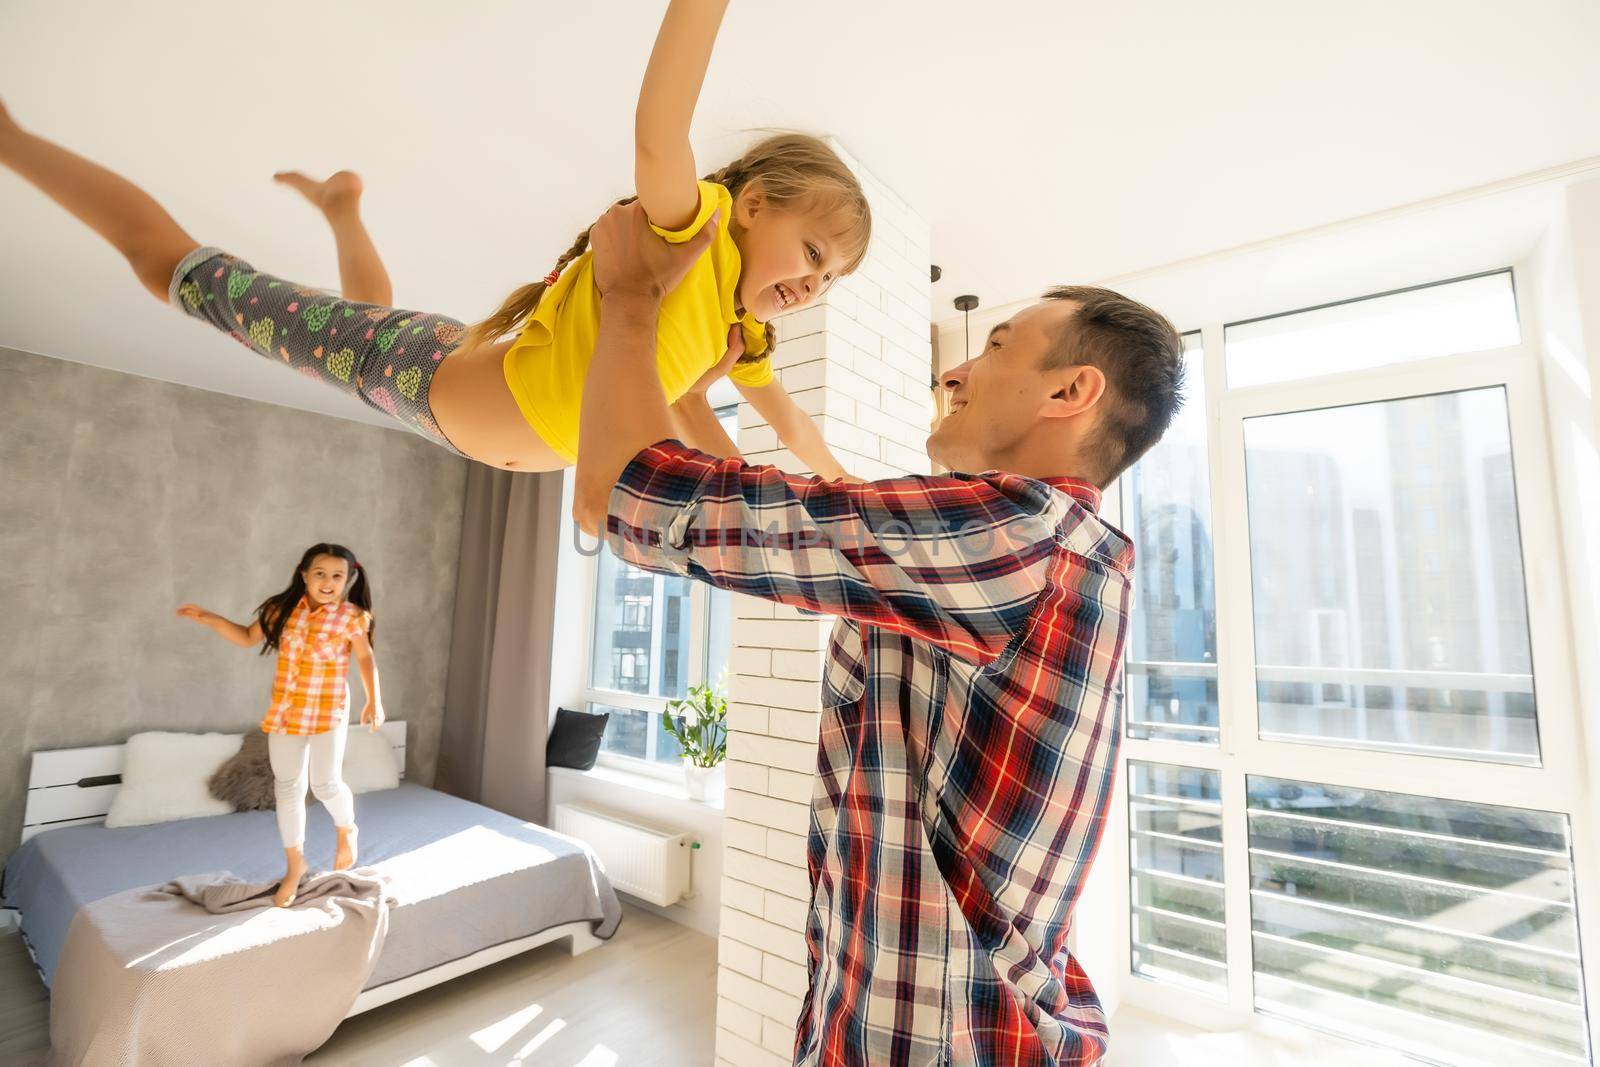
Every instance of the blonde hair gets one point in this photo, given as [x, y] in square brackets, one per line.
[795, 172]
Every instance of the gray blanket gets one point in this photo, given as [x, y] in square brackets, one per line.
[465, 877]
[144, 971]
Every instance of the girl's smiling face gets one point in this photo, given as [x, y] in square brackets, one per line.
[325, 580]
[789, 258]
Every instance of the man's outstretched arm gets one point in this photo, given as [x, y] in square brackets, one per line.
[624, 408]
[957, 561]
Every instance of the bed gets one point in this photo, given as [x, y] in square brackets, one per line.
[470, 885]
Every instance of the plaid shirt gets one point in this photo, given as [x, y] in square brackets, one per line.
[310, 691]
[969, 736]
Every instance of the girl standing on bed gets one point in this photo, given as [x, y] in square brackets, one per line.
[314, 625]
[790, 220]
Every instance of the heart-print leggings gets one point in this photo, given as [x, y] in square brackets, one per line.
[383, 355]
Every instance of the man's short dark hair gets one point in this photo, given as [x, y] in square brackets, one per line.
[1141, 355]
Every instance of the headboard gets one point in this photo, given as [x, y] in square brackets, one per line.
[72, 786]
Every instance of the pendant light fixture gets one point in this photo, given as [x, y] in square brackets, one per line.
[965, 304]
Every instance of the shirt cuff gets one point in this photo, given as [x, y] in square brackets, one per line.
[755, 374]
[708, 207]
[652, 507]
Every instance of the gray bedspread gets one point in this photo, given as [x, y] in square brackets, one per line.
[462, 877]
[137, 964]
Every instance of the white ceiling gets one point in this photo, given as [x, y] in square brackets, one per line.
[1044, 141]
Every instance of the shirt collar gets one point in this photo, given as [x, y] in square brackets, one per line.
[305, 602]
[1085, 493]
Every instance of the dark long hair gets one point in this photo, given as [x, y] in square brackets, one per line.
[276, 609]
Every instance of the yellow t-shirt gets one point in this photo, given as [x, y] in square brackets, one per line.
[546, 366]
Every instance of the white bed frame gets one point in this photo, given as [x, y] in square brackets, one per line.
[74, 787]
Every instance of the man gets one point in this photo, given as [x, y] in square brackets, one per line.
[972, 688]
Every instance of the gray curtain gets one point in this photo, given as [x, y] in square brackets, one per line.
[497, 696]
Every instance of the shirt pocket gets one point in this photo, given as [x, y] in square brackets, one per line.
[844, 678]
[324, 645]
[292, 643]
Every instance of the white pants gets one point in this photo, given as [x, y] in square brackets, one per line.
[289, 755]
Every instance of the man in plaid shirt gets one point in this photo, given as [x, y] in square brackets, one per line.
[972, 690]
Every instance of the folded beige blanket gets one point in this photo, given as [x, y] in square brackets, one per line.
[204, 970]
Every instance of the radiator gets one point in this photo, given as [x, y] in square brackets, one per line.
[642, 861]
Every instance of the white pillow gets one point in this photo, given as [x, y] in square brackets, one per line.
[164, 777]
[369, 763]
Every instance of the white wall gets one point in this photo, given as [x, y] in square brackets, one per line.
[859, 364]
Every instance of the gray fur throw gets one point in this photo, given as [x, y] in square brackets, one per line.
[245, 780]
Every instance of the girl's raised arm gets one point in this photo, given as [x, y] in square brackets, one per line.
[227, 629]
[663, 163]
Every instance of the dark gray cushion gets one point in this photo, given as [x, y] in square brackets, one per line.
[245, 781]
[575, 741]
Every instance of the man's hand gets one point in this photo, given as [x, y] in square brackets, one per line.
[623, 406]
[630, 260]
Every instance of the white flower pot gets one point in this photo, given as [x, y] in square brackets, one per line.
[696, 779]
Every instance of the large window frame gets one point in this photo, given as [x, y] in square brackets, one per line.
[1558, 783]
[699, 629]
[704, 603]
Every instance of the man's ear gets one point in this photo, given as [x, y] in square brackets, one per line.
[1078, 388]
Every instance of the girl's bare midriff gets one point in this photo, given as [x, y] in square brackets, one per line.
[475, 409]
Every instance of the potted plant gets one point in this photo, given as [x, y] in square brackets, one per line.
[699, 723]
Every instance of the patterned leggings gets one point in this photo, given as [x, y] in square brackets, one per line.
[383, 355]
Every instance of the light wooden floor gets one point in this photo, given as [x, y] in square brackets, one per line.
[647, 997]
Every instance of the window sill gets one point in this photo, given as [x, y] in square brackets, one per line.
[642, 783]
[1140, 1037]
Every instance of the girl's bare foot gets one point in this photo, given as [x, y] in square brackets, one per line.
[295, 870]
[344, 855]
[339, 192]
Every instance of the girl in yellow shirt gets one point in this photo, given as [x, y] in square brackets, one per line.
[787, 219]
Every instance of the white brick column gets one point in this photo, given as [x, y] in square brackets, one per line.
[859, 363]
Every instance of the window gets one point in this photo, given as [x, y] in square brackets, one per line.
[1345, 805]
[1172, 660]
[1370, 630]
[641, 630]
[1444, 319]
[654, 636]
[1427, 925]
[1175, 819]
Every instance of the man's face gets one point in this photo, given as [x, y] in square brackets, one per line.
[999, 396]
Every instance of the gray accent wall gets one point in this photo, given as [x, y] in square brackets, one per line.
[122, 497]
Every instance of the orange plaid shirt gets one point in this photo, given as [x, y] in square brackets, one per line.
[310, 694]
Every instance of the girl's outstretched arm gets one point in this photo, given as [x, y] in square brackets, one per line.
[794, 428]
[663, 163]
[243, 636]
[372, 713]
[697, 426]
